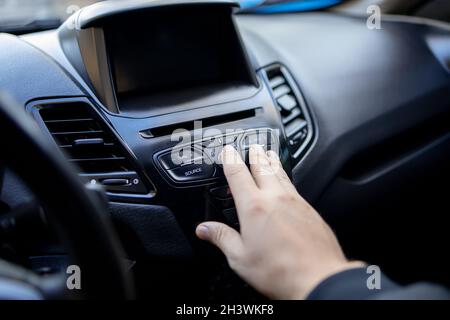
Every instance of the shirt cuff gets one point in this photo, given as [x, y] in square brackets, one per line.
[350, 284]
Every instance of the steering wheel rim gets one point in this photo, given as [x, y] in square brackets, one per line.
[78, 214]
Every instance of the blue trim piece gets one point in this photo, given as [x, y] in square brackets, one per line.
[293, 6]
[245, 4]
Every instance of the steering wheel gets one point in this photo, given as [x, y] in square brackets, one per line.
[78, 212]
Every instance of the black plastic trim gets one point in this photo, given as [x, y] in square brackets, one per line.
[33, 108]
[90, 15]
[312, 128]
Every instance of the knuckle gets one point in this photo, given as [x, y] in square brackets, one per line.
[282, 175]
[257, 208]
[232, 171]
[220, 235]
[278, 170]
[262, 169]
[286, 197]
[284, 178]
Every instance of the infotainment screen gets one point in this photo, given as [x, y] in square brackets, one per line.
[166, 50]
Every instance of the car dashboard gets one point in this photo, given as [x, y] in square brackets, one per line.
[359, 118]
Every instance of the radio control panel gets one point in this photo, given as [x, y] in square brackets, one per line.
[199, 162]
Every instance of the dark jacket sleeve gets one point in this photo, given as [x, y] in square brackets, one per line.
[352, 285]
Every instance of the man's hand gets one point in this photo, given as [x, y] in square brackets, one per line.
[285, 248]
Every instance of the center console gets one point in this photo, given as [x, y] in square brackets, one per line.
[165, 85]
[172, 84]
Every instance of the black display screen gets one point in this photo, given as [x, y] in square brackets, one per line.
[166, 50]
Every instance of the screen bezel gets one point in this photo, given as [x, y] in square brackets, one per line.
[248, 75]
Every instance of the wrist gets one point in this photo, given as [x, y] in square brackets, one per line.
[309, 283]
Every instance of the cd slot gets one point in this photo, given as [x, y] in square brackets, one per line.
[206, 122]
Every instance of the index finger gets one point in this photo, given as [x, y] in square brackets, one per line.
[238, 176]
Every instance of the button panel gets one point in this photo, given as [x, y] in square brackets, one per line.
[181, 157]
[199, 161]
[192, 172]
[262, 137]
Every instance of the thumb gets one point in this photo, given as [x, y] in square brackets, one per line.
[227, 239]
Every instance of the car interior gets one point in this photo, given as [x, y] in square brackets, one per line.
[93, 108]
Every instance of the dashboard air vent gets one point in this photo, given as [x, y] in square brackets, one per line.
[90, 144]
[293, 112]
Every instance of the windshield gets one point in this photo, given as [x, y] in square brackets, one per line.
[22, 10]
[29, 15]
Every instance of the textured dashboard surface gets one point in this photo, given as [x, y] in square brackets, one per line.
[27, 74]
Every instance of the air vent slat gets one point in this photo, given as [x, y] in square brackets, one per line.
[295, 126]
[98, 159]
[70, 125]
[287, 103]
[277, 81]
[281, 91]
[87, 141]
[68, 146]
[68, 120]
[292, 112]
[76, 132]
